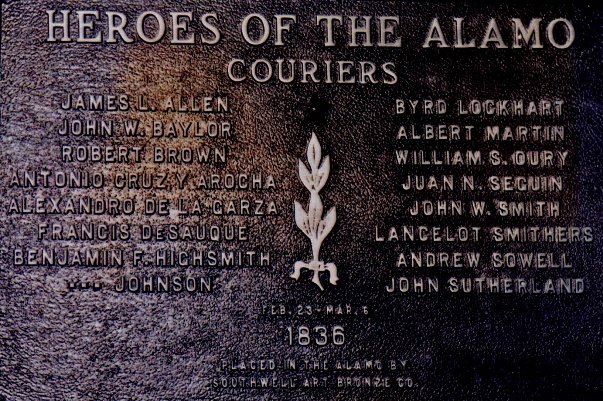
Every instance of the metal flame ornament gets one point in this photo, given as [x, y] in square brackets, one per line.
[312, 222]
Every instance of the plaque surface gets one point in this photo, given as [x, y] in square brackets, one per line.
[274, 200]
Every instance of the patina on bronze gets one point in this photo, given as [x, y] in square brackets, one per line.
[300, 200]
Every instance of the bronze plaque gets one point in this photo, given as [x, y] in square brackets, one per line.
[322, 200]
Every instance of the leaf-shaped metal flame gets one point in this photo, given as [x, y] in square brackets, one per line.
[314, 181]
[315, 209]
[314, 153]
[301, 219]
[306, 177]
[327, 224]
[323, 173]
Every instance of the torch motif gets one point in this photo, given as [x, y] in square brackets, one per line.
[312, 223]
